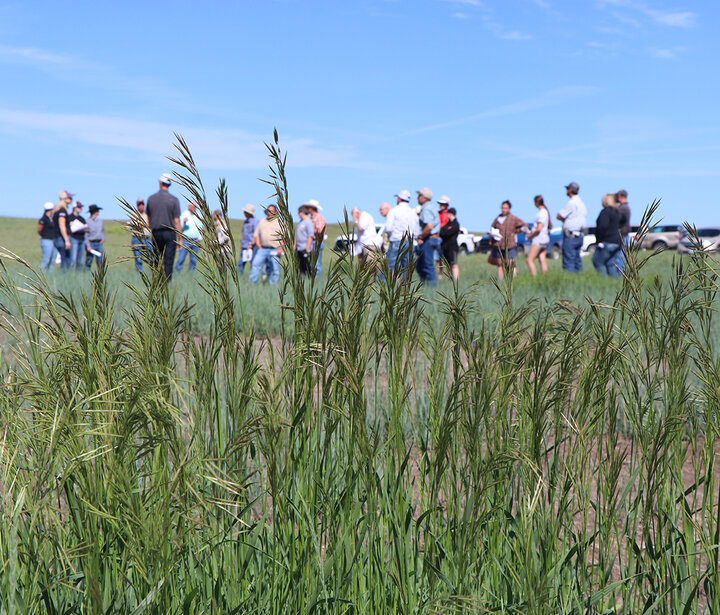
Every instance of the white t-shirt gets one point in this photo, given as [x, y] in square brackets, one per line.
[400, 221]
[189, 223]
[543, 237]
[368, 237]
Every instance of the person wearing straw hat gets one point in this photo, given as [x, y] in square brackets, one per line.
[247, 246]
[163, 210]
[319, 225]
[443, 204]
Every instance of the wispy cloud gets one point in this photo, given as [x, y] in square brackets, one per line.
[466, 2]
[40, 58]
[212, 148]
[672, 18]
[548, 99]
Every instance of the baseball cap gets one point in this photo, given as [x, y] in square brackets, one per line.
[64, 194]
[451, 210]
[403, 195]
[426, 192]
[249, 209]
[48, 206]
[313, 203]
[166, 179]
[573, 187]
[444, 200]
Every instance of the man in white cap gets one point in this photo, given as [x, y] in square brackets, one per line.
[428, 239]
[319, 224]
[163, 210]
[573, 218]
[401, 225]
[247, 246]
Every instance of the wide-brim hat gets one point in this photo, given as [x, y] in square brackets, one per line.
[314, 204]
[249, 209]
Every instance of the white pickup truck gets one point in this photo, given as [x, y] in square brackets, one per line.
[465, 240]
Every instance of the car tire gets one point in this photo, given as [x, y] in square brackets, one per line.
[463, 249]
[659, 246]
[555, 252]
[591, 249]
[520, 249]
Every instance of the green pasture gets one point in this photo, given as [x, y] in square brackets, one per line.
[353, 445]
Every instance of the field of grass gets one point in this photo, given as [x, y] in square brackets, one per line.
[544, 446]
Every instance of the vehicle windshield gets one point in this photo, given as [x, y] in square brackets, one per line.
[708, 232]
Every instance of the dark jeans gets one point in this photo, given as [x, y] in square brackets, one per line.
[97, 247]
[425, 265]
[303, 259]
[165, 241]
[64, 253]
[77, 251]
[571, 246]
[605, 259]
[138, 245]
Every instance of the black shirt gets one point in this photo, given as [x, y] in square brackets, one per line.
[49, 230]
[61, 213]
[80, 234]
[162, 207]
[608, 226]
[449, 233]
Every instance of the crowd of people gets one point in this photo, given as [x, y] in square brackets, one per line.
[612, 232]
[67, 237]
[425, 234]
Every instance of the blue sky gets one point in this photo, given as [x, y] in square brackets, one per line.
[477, 99]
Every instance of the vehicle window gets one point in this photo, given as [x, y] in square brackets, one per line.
[708, 232]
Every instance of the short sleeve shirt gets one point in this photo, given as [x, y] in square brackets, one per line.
[543, 218]
[162, 208]
[428, 215]
[574, 214]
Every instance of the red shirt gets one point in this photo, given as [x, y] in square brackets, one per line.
[442, 214]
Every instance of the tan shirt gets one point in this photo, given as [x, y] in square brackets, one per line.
[269, 233]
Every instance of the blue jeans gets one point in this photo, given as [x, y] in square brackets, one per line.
[571, 246]
[64, 253]
[98, 247]
[605, 259]
[47, 247]
[620, 259]
[398, 255]
[260, 260]
[138, 247]
[191, 247]
[425, 265]
[77, 251]
[318, 265]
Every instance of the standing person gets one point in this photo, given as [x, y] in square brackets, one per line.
[608, 238]
[304, 236]
[368, 240]
[189, 242]
[428, 239]
[319, 224]
[48, 234]
[78, 228]
[540, 236]
[624, 214]
[60, 219]
[95, 237]
[573, 217]
[163, 210]
[401, 225]
[443, 204]
[223, 236]
[142, 241]
[448, 235]
[505, 228]
[268, 239]
[247, 246]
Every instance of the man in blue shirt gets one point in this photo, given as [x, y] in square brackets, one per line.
[429, 238]
[247, 247]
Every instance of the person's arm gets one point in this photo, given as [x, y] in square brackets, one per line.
[102, 232]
